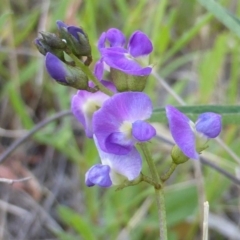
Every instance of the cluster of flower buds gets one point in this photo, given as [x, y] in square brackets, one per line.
[70, 39]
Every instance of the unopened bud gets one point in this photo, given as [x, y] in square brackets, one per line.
[53, 41]
[76, 38]
[65, 74]
[44, 48]
[178, 156]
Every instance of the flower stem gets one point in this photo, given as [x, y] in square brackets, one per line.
[90, 75]
[167, 175]
[158, 192]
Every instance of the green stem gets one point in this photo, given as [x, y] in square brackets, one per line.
[90, 75]
[141, 178]
[167, 175]
[158, 192]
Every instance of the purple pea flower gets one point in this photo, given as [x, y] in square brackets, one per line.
[125, 60]
[184, 131]
[84, 104]
[115, 169]
[119, 123]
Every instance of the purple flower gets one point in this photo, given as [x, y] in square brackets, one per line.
[114, 37]
[184, 131]
[115, 169]
[119, 123]
[85, 103]
[125, 60]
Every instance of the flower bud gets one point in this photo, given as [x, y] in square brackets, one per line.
[65, 74]
[53, 41]
[178, 156]
[76, 38]
[44, 48]
[126, 82]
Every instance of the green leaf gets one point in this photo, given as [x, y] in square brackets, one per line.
[230, 114]
[210, 67]
[223, 15]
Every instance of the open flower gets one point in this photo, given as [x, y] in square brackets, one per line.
[126, 60]
[120, 122]
[184, 131]
[115, 169]
[85, 103]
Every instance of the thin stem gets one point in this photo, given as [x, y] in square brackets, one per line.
[161, 213]
[167, 175]
[151, 164]
[90, 75]
[141, 178]
[37, 127]
[158, 192]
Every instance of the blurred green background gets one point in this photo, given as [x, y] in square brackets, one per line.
[197, 55]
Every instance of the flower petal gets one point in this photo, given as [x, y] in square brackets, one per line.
[118, 58]
[74, 31]
[139, 44]
[120, 108]
[55, 67]
[181, 131]
[101, 41]
[99, 69]
[115, 37]
[61, 24]
[143, 131]
[118, 143]
[129, 165]
[84, 104]
[98, 175]
[209, 124]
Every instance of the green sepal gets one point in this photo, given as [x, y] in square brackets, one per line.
[125, 82]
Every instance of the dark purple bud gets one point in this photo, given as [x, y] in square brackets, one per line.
[61, 24]
[76, 38]
[65, 74]
[53, 41]
[41, 46]
[75, 31]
